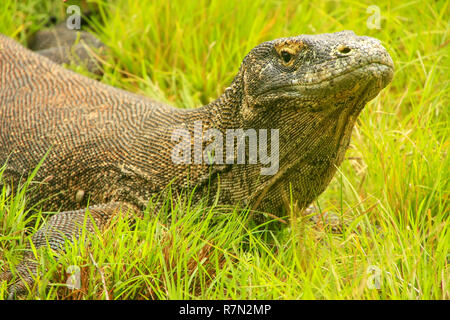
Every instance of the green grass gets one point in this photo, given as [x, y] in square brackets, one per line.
[394, 184]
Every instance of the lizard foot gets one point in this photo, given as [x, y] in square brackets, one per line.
[61, 227]
[326, 220]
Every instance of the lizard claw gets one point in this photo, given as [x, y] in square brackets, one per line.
[325, 220]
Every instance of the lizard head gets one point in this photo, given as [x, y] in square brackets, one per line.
[310, 71]
[312, 88]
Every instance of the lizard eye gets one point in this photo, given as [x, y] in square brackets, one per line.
[286, 56]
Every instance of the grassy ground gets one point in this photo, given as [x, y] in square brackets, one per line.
[394, 184]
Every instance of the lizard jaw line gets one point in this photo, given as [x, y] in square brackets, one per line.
[387, 73]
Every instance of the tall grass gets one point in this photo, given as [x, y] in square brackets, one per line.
[393, 186]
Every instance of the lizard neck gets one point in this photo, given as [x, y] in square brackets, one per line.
[230, 114]
[226, 111]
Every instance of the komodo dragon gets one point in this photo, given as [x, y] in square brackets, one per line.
[113, 148]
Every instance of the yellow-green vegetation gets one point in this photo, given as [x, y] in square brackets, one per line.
[393, 186]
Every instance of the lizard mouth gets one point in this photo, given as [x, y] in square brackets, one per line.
[373, 77]
[385, 69]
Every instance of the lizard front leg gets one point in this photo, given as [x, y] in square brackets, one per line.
[61, 227]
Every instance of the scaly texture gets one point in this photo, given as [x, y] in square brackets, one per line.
[114, 148]
[63, 45]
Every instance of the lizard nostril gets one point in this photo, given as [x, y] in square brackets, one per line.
[344, 49]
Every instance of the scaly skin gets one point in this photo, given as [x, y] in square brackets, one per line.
[114, 148]
[63, 45]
